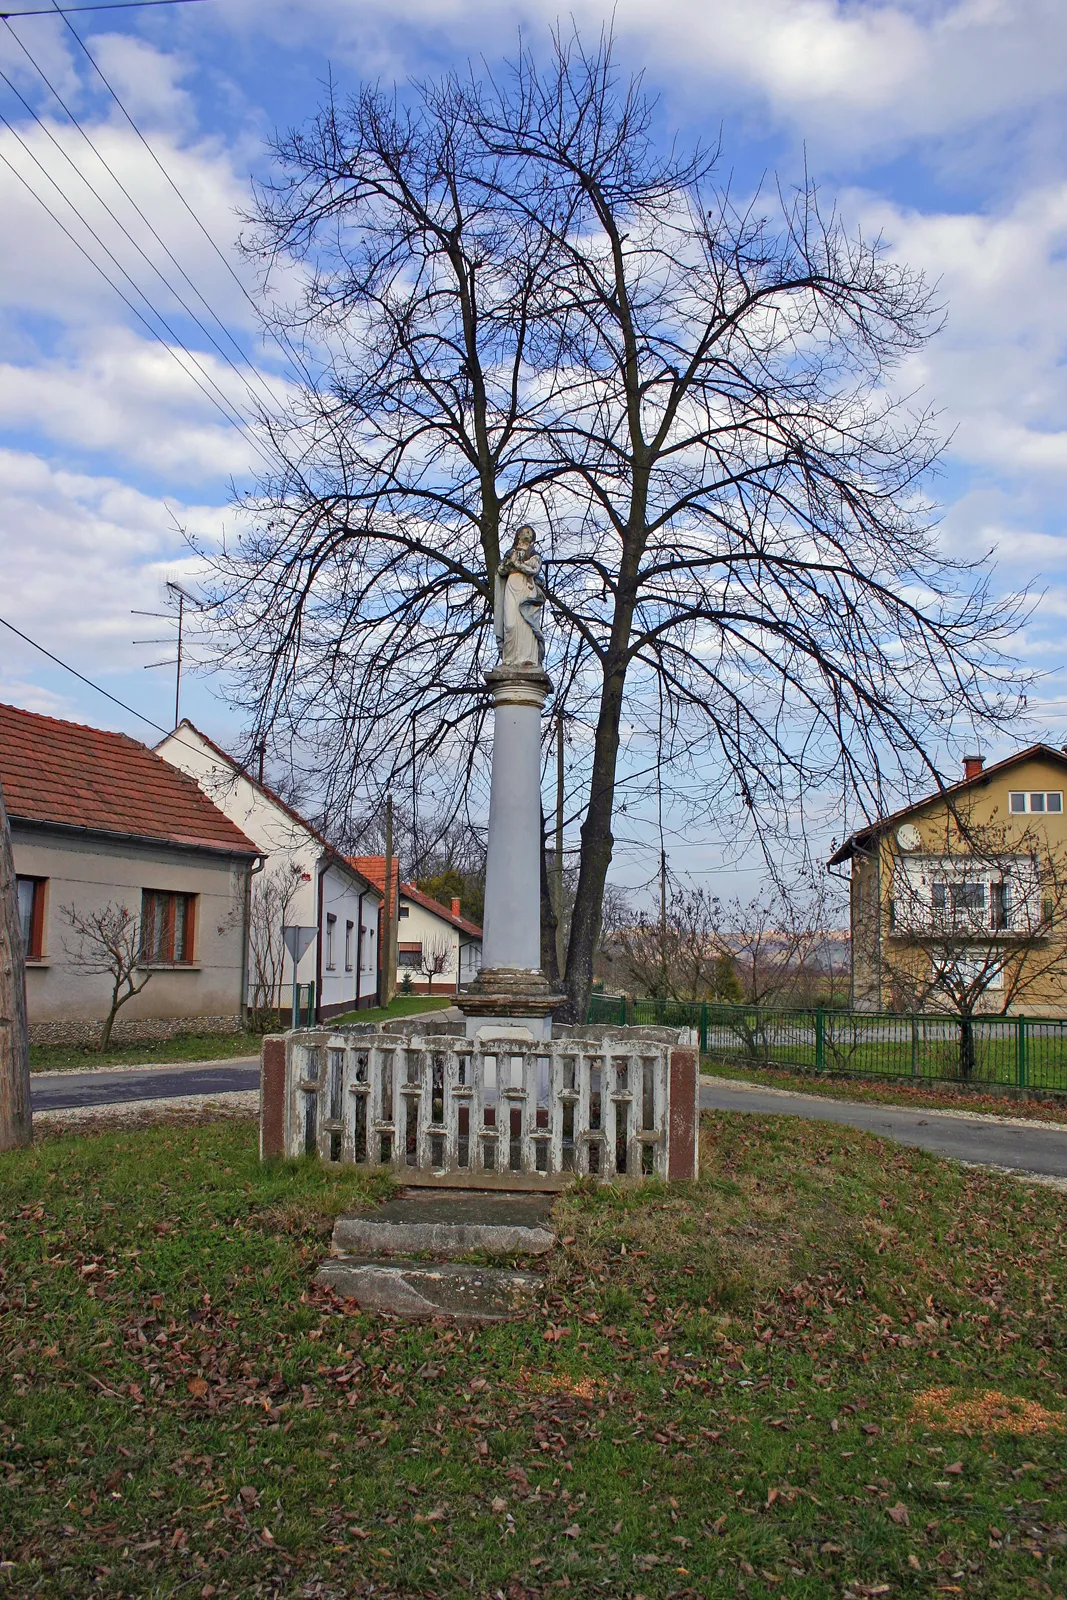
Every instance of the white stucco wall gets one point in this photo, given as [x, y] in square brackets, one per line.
[421, 926]
[90, 874]
[283, 838]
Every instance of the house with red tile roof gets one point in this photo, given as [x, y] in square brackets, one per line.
[305, 883]
[438, 949]
[98, 820]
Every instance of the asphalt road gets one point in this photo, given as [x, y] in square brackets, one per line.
[965, 1138]
[988, 1143]
[152, 1083]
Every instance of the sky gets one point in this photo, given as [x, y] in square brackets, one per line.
[939, 123]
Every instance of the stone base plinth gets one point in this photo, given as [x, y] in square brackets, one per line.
[513, 997]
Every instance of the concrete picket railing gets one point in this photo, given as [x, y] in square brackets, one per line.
[493, 1113]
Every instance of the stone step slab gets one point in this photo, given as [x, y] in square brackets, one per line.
[432, 1289]
[449, 1223]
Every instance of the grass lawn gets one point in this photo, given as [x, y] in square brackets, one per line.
[833, 1367]
[187, 1047]
[202, 1046]
[840, 1087]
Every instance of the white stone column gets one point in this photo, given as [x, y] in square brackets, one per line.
[512, 921]
[511, 988]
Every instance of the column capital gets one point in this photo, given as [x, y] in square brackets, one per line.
[519, 686]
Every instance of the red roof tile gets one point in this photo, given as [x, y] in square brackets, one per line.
[373, 869]
[62, 772]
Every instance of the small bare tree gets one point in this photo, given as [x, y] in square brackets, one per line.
[435, 959]
[273, 893]
[780, 942]
[108, 942]
[678, 955]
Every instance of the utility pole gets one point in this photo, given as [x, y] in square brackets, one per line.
[561, 954]
[16, 1119]
[385, 952]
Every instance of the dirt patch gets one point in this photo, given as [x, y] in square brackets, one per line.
[988, 1411]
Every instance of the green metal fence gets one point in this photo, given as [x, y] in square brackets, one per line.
[1023, 1052]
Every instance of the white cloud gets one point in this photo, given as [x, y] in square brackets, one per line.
[131, 398]
[146, 80]
[82, 552]
[43, 271]
[860, 75]
[999, 367]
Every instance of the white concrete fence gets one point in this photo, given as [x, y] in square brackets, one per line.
[606, 1103]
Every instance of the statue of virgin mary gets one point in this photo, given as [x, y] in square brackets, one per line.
[518, 603]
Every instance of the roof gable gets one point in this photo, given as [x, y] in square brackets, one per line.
[264, 789]
[69, 775]
[373, 868]
[863, 836]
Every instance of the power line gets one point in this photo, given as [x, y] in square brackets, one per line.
[118, 222]
[81, 677]
[104, 5]
[222, 404]
[284, 343]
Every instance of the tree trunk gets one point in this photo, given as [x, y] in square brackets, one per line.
[597, 839]
[16, 1122]
[109, 1023]
[549, 923]
[967, 1056]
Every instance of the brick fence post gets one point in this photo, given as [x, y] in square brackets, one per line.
[683, 1125]
[272, 1099]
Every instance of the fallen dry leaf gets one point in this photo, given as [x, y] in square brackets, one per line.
[899, 1514]
[197, 1387]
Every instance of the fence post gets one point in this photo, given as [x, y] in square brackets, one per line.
[1020, 1052]
[703, 1027]
[914, 1045]
[820, 1040]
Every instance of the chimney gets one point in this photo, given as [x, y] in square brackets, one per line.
[972, 766]
[455, 905]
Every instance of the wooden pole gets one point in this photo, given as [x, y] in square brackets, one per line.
[561, 954]
[16, 1120]
[389, 917]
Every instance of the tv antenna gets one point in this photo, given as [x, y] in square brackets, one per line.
[184, 599]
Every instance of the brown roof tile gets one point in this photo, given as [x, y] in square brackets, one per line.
[373, 869]
[62, 772]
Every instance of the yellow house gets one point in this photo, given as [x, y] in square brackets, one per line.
[959, 902]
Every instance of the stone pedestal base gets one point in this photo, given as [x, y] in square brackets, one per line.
[512, 999]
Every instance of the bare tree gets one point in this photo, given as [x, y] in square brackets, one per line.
[108, 942]
[676, 956]
[273, 893]
[434, 959]
[978, 929]
[16, 1117]
[530, 312]
[781, 942]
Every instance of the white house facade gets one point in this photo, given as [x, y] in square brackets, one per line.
[304, 883]
[438, 949]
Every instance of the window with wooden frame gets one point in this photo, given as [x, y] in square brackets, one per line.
[409, 955]
[167, 927]
[31, 916]
[350, 928]
[331, 931]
